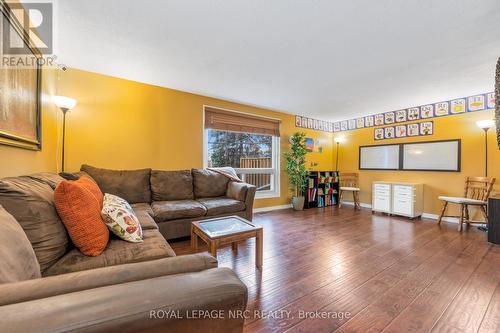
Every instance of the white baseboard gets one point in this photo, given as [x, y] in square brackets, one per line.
[424, 215]
[435, 217]
[351, 203]
[269, 209]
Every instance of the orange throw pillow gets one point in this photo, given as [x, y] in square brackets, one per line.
[79, 205]
[92, 186]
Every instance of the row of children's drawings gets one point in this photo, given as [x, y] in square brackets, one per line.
[403, 131]
[456, 106]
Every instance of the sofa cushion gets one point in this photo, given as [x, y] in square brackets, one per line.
[79, 204]
[118, 252]
[171, 210]
[172, 185]
[48, 178]
[208, 183]
[121, 219]
[74, 175]
[222, 205]
[31, 202]
[142, 208]
[131, 185]
[144, 214]
[18, 260]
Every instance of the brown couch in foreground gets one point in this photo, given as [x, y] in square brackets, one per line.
[47, 285]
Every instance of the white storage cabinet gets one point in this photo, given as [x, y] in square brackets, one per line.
[398, 198]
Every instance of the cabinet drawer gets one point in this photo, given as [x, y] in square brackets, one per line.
[403, 190]
[403, 195]
[382, 187]
[382, 204]
[385, 194]
[402, 206]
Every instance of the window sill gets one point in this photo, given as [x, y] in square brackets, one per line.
[266, 195]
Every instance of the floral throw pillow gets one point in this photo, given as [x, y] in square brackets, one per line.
[121, 219]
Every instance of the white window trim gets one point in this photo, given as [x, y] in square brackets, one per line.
[275, 170]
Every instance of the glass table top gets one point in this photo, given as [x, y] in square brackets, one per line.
[224, 226]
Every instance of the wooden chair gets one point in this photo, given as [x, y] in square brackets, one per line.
[477, 191]
[349, 183]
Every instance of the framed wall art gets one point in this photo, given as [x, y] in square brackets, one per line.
[441, 109]
[20, 91]
[413, 114]
[400, 116]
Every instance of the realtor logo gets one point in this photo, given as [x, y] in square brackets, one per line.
[36, 20]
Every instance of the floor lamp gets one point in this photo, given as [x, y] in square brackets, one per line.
[338, 140]
[486, 125]
[65, 104]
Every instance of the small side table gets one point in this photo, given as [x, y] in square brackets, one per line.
[226, 230]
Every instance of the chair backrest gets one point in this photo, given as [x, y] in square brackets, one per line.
[348, 179]
[478, 188]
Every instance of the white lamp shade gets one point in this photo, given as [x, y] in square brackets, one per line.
[339, 139]
[485, 124]
[65, 103]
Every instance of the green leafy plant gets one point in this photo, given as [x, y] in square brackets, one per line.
[296, 163]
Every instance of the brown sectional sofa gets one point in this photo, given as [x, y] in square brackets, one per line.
[173, 199]
[47, 285]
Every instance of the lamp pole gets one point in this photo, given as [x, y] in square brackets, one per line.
[337, 159]
[64, 110]
[486, 147]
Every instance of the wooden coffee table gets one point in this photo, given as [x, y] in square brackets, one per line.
[226, 230]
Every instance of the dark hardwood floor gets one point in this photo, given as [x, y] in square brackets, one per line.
[366, 273]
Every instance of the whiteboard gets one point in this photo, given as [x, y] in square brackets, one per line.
[432, 156]
[379, 157]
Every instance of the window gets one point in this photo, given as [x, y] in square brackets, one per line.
[236, 140]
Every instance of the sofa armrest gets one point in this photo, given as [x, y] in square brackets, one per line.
[249, 201]
[237, 190]
[23, 291]
[205, 301]
[242, 192]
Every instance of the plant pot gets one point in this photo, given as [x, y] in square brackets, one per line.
[298, 203]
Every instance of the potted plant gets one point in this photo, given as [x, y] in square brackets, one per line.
[296, 168]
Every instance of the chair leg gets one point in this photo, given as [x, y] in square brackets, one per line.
[340, 198]
[461, 221]
[442, 212]
[356, 200]
[485, 214]
[467, 215]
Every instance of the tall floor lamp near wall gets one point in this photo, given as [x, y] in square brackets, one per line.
[65, 104]
[485, 125]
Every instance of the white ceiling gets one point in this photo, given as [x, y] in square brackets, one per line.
[327, 59]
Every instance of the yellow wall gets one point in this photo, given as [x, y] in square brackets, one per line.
[436, 183]
[123, 124]
[16, 161]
